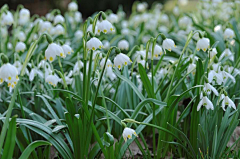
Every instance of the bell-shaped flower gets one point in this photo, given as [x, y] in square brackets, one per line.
[72, 6]
[227, 101]
[90, 28]
[97, 54]
[58, 19]
[120, 60]
[157, 50]
[78, 34]
[228, 33]
[34, 72]
[52, 51]
[78, 65]
[113, 18]
[108, 64]
[184, 22]
[20, 47]
[213, 52]
[67, 49]
[214, 76]
[53, 80]
[57, 30]
[21, 36]
[168, 44]
[127, 133]
[105, 26]
[123, 45]
[208, 88]
[205, 102]
[46, 27]
[225, 75]
[227, 53]
[9, 74]
[94, 43]
[7, 18]
[24, 16]
[110, 73]
[143, 62]
[203, 43]
[192, 68]
[68, 78]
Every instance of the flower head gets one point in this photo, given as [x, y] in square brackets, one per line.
[213, 52]
[108, 64]
[205, 102]
[157, 50]
[168, 44]
[7, 19]
[24, 16]
[120, 60]
[58, 19]
[203, 43]
[123, 45]
[67, 49]
[127, 133]
[72, 6]
[94, 43]
[53, 80]
[20, 47]
[52, 51]
[105, 26]
[228, 33]
[9, 74]
[227, 53]
[208, 88]
[227, 101]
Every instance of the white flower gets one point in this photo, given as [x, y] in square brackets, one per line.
[227, 53]
[46, 26]
[90, 28]
[108, 64]
[52, 51]
[123, 45]
[120, 60]
[58, 30]
[203, 44]
[78, 34]
[227, 101]
[9, 74]
[105, 26]
[184, 22]
[68, 78]
[24, 16]
[49, 16]
[20, 47]
[228, 33]
[58, 19]
[7, 19]
[35, 72]
[212, 75]
[192, 68]
[106, 44]
[141, 7]
[127, 133]
[218, 28]
[21, 36]
[208, 88]
[78, 65]
[143, 62]
[72, 6]
[205, 102]
[225, 75]
[213, 52]
[110, 73]
[97, 53]
[53, 80]
[94, 43]
[78, 16]
[168, 44]
[157, 50]
[113, 18]
[67, 49]
[176, 10]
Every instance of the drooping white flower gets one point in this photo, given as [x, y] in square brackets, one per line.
[184, 22]
[96, 28]
[213, 52]
[108, 64]
[7, 19]
[105, 26]
[120, 60]
[227, 53]
[228, 33]
[67, 49]
[110, 73]
[52, 51]
[143, 62]
[225, 75]
[94, 43]
[21, 36]
[24, 16]
[214, 76]
[227, 101]
[78, 65]
[141, 7]
[123, 45]
[78, 16]
[78, 34]
[176, 11]
[168, 44]
[58, 30]
[192, 68]
[106, 44]
[46, 26]
[35, 72]
[9, 74]
[53, 80]
[58, 19]
[127, 133]
[72, 6]
[203, 43]
[68, 78]
[208, 88]
[49, 16]
[113, 18]
[218, 28]
[20, 47]
[157, 50]
[97, 54]
[205, 102]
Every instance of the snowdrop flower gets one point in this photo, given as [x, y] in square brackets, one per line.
[113, 18]
[225, 75]
[227, 101]
[78, 34]
[213, 52]
[208, 88]
[105, 26]
[78, 16]
[9, 45]
[49, 16]
[176, 10]
[72, 6]
[96, 28]
[120, 60]
[58, 30]
[9, 74]
[185, 21]
[203, 43]
[52, 51]
[127, 133]
[21, 36]
[123, 45]
[213, 75]
[106, 44]
[58, 19]
[68, 78]
[143, 62]
[227, 53]
[205, 102]
[46, 26]
[7, 19]
[110, 73]
[20, 47]
[157, 50]
[95, 53]
[192, 68]
[141, 7]
[228, 33]
[78, 65]
[24, 16]
[217, 28]
[18, 65]
[108, 64]
[164, 18]
[94, 43]
[35, 72]
[53, 80]
[168, 44]
[67, 49]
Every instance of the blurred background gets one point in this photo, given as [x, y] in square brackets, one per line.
[86, 7]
